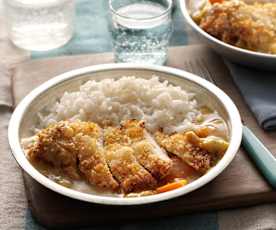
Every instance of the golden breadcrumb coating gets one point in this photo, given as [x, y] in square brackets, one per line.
[72, 146]
[180, 145]
[55, 146]
[132, 133]
[113, 135]
[134, 129]
[125, 158]
[125, 168]
[92, 163]
[249, 26]
[85, 128]
[158, 166]
[127, 133]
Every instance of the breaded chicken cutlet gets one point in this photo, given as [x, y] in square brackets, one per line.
[124, 158]
[72, 146]
[126, 169]
[195, 151]
[132, 133]
[92, 163]
[249, 26]
[54, 145]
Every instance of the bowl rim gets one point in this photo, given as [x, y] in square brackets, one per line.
[191, 22]
[18, 154]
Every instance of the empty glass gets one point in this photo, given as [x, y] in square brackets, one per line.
[141, 30]
[39, 24]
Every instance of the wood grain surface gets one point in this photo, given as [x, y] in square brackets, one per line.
[239, 185]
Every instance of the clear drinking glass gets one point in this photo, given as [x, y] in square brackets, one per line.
[141, 30]
[39, 24]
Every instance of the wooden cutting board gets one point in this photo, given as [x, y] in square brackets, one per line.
[239, 185]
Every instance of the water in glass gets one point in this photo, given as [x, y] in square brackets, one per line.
[39, 24]
[141, 35]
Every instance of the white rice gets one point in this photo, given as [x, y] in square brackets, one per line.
[159, 104]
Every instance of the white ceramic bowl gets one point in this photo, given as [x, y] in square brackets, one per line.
[233, 53]
[25, 116]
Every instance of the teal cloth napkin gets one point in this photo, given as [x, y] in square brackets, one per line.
[259, 91]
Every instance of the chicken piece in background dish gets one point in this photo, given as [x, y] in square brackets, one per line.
[126, 169]
[192, 149]
[249, 26]
[92, 163]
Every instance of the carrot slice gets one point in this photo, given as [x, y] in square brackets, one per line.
[171, 186]
[215, 1]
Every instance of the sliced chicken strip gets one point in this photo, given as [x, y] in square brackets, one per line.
[152, 157]
[158, 150]
[54, 145]
[146, 150]
[126, 169]
[72, 146]
[132, 133]
[180, 145]
[92, 163]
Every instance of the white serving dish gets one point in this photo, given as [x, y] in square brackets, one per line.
[235, 54]
[25, 116]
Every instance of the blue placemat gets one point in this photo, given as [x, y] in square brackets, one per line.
[205, 221]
